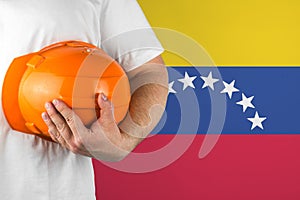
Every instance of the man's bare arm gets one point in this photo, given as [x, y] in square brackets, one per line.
[149, 85]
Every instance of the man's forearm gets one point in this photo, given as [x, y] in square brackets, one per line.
[146, 108]
[147, 104]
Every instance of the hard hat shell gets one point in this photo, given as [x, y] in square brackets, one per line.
[73, 71]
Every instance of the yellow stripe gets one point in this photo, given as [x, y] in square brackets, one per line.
[234, 32]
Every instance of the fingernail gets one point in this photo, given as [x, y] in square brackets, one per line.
[44, 116]
[47, 106]
[104, 98]
[55, 102]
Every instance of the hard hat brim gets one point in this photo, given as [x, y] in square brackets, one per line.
[10, 91]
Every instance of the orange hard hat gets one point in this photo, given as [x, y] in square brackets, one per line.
[73, 71]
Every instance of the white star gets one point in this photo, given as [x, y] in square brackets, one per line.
[246, 102]
[257, 121]
[187, 81]
[171, 90]
[209, 81]
[229, 88]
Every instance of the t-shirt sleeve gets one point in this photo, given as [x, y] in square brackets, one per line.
[126, 34]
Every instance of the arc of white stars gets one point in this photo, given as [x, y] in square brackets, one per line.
[171, 90]
[257, 121]
[187, 81]
[209, 81]
[246, 102]
[229, 88]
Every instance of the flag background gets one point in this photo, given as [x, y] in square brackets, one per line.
[261, 36]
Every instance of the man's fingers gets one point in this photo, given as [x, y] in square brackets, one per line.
[50, 125]
[55, 136]
[72, 120]
[77, 129]
[61, 125]
[106, 109]
[54, 133]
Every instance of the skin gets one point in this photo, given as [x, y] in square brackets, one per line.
[105, 139]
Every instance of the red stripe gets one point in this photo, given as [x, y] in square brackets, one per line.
[239, 167]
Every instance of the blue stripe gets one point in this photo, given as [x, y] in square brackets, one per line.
[276, 92]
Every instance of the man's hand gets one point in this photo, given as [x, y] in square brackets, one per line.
[66, 128]
[106, 140]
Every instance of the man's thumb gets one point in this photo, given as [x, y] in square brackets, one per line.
[106, 108]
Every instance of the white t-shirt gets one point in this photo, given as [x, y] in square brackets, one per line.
[30, 167]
